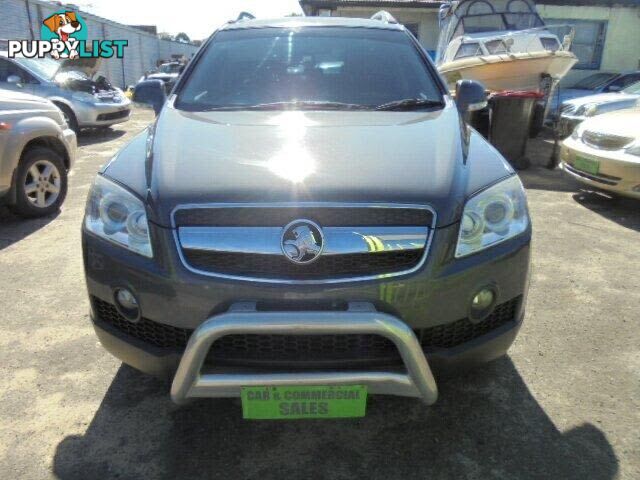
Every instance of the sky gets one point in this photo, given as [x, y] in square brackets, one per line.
[197, 18]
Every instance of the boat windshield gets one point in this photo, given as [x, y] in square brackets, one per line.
[481, 16]
[498, 22]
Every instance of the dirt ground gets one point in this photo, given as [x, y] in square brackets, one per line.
[564, 404]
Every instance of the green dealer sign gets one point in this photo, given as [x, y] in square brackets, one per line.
[290, 402]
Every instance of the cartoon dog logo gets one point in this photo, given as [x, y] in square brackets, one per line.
[64, 25]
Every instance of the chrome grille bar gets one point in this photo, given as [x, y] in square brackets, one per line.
[338, 240]
[362, 241]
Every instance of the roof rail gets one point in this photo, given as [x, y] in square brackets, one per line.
[384, 16]
[245, 16]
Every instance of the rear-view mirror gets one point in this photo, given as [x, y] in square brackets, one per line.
[150, 92]
[470, 96]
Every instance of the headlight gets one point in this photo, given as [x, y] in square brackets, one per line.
[84, 97]
[493, 216]
[117, 215]
[588, 110]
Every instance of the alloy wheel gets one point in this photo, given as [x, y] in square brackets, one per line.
[42, 184]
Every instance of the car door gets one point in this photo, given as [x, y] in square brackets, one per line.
[9, 69]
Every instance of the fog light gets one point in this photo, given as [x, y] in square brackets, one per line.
[127, 304]
[482, 304]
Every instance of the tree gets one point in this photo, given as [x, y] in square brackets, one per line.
[182, 37]
[165, 36]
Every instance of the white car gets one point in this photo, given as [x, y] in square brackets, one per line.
[575, 111]
[604, 153]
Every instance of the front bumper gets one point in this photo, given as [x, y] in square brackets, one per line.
[102, 114]
[435, 298]
[191, 381]
[619, 172]
[69, 139]
[193, 377]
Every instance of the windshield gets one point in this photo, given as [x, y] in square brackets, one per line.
[594, 81]
[634, 88]
[170, 68]
[44, 67]
[322, 67]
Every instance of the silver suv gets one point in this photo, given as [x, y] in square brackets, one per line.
[37, 149]
[308, 220]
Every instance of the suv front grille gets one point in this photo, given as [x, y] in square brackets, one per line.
[301, 350]
[335, 266]
[605, 141]
[358, 242]
[113, 115]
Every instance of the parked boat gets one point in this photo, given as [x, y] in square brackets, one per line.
[503, 43]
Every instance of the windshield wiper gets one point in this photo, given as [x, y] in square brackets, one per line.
[293, 105]
[410, 104]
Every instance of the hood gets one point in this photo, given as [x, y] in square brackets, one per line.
[296, 156]
[566, 94]
[79, 81]
[9, 97]
[87, 65]
[11, 101]
[623, 123]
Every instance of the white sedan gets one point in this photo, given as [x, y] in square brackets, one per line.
[604, 153]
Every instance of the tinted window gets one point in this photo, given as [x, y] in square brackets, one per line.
[594, 81]
[623, 81]
[633, 89]
[468, 50]
[45, 67]
[366, 67]
[495, 47]
[8, 69]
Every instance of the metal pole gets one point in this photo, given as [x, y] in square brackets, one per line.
[26, 4]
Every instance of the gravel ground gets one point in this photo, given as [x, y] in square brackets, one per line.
[564, 403]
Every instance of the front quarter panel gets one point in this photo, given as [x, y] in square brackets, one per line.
[128, 166]
[486, 165]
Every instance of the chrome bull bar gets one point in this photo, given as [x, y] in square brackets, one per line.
[190, 381]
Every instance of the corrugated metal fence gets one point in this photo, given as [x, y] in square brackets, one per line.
[23, 19]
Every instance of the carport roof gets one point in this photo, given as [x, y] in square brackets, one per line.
[373, 3]
[597, 3]
[437, 3]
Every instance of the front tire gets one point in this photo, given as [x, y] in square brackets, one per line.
[41, 183]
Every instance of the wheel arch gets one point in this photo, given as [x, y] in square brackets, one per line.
[50, 142]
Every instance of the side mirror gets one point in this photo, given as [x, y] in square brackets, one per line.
[470, 96]
[614, 88]
[150, 92]
[15, 79]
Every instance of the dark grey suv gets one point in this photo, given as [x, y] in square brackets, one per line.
[308, 220]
